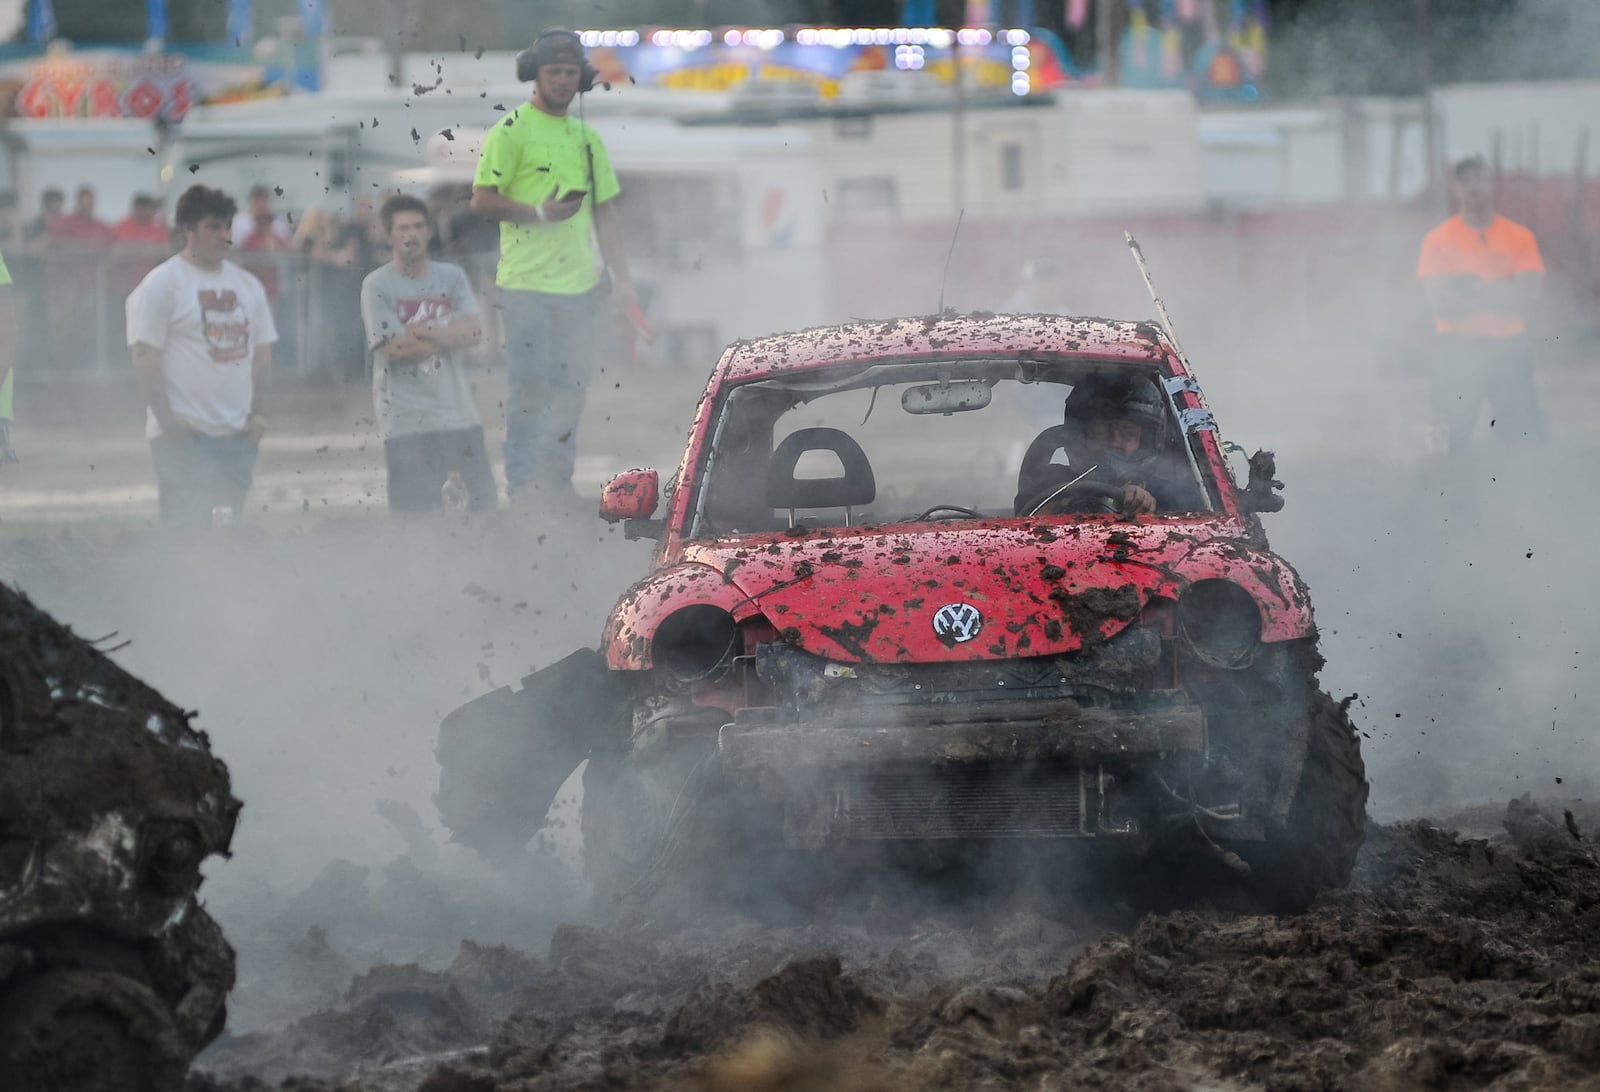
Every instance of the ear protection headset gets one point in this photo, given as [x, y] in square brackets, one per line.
[556, 46]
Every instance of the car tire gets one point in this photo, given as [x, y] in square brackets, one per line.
[637, 815]
[90, 1031]
[1316, 847]
[504, 755]
[1304, 777]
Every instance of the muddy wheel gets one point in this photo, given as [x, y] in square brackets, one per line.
[1296, 762]
[635, 817]
[91, 1032]
[1317, 845]
[503, 756]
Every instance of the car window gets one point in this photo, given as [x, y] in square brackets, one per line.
[825, 453]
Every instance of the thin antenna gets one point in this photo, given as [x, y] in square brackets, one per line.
[1177, 346]
[944, 280]
[1161, 308]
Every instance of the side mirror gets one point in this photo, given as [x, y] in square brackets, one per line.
[1260, 494]
[631, 498]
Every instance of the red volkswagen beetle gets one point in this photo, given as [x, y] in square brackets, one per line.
[950, 580]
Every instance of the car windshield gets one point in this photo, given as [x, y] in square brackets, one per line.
[921, 439]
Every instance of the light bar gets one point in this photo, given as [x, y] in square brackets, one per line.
[772, 37]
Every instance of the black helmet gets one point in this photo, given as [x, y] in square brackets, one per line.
[1101, 397]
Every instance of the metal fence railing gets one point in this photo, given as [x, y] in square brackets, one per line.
[71, 311]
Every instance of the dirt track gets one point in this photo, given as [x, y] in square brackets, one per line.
[1453, 962]
[322, 656]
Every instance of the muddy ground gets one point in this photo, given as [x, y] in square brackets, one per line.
[1453, 961]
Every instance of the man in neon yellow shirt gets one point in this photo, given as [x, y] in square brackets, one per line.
[546, 178]
[8, 354]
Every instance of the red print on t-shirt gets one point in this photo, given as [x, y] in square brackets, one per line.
[227, 330]
[425, 309]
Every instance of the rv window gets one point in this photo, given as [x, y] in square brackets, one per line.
[1011, 166]
[867, 199]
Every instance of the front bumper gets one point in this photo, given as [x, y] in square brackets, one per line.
[973, 770]
[977, 732]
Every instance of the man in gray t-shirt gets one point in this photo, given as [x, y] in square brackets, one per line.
[420, 315]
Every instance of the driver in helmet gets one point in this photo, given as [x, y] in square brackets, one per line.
[1114, 430]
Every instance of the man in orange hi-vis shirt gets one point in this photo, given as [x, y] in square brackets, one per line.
[1481, 274]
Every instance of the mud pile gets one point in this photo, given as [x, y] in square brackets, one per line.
[1452, 961]
[112, 975]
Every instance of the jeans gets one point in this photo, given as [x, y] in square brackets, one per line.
[195, 474]
[549, 357]
[419, 463]
[1469, 371]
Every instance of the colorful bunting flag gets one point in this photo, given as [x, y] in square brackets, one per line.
[239, 24]
[41, 21]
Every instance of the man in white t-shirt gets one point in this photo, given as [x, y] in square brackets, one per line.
[201, 335]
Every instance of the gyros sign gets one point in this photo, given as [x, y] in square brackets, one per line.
[154, 87]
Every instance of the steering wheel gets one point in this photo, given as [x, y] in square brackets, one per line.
[1084, 487]
[966, 513]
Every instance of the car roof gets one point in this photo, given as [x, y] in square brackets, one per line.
[946, 335]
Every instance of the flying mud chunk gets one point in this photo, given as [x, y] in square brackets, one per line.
[958, 582]
[111, 974]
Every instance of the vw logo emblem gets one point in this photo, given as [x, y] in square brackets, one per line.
[957, 623]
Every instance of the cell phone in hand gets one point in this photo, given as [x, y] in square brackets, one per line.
[573, 195]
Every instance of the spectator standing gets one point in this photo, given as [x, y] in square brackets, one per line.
[8, 353]
[338, 259]
[265, 250]
[36, 232]
[32, 279]
[546, 178]
[142, 243]
[201, 335]
[10, 227]
[258, 208]
[81, 227]
[78, 283]
[369, 236]
[441, 208]
[420, 316]
[474, 245]
[1481, 274]
[262, 244]
[144, 225]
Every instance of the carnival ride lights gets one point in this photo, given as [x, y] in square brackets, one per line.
[908, 58]
[609, 39]
[681, 39]
[909, 42]
[839, 37]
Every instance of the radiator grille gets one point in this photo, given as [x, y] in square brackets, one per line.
[969, 803]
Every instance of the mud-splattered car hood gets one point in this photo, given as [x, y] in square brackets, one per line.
[958, 590]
